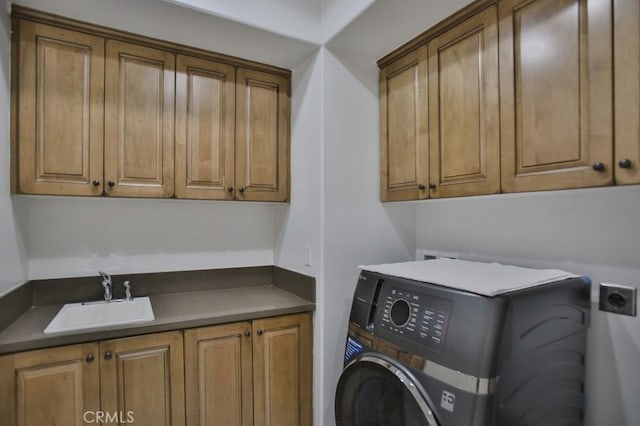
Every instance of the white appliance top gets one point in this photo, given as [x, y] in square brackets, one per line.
[487, 279]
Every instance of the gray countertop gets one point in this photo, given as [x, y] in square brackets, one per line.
[173, 311]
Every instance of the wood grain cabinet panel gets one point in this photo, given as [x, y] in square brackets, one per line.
[139, 130]
[144, 376]
[626, 33]
[403, 128]
[50, 386]
[262, 136]
[205, 120]
[60, 90]
[218, 370]
[556, 94]
[464, 124]
[282, 371]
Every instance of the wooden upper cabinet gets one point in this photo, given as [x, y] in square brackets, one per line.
[60, 100]
[50, 386]
[144, 376]
[218, 373]
[205, 120]
[282, 371]
[464, 114]
[262, 136]
[404, 157]
[139, 131]
[556, 94]
[626, 34]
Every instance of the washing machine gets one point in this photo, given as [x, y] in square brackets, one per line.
[456, 343]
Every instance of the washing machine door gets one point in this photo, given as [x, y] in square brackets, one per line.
[375, 390]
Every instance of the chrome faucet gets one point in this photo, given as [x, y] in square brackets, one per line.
[106, 283]
[127, 289]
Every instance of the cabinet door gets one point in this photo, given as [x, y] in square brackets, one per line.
[464, 126]
[61, 111]
[282, 368]
[205, 120]
[218, 375]
[556, 94]
[626, 33]
[139, 106]
[142, 378]
[58, 386]
[262, 136]
[404, 168]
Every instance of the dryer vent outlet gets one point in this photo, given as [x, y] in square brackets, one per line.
[618, 298]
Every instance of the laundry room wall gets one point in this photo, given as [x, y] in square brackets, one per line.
[358, 229]
[13, 255]
[587, 231]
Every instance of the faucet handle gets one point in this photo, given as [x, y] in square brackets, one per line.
[127, 290]
[105, 277]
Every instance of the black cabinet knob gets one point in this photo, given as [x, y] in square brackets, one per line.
[259, 332]
[421, 187]
[241, 189]
[625, 163]
[432, 185]
[96, 182]
[111, 184]
[598, 167]
[89, 358]
[230, 188]
[108, 356]
[247, 333]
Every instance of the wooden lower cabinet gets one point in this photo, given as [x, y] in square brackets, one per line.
[142, 378]
[250, 373]
[282, 363]
[54, 386]
[247, 373]
[218, 375]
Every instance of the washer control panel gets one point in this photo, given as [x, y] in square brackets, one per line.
[417, 316]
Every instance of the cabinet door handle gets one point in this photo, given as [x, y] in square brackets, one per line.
[421, 187]
[241, 189]
[96, 182]
[108, 355]
[89, 358]
[247, 333]
[230, 188]
[432, 185]
[624, 163]
[259, 332]
[111, 184]
[598, 167]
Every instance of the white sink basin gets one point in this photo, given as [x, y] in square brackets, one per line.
[78, 316]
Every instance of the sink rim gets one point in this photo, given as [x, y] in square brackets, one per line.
[56, 325]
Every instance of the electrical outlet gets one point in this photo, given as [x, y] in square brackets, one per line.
[618, 298]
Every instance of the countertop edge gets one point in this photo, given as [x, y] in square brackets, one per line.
[71, 339]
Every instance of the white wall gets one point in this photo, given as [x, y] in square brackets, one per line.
[79, 236]
[13, 258]
[592, 232]
[298, 243]
[358, 229]
[293, 18]
[337, 14]
[298, 222]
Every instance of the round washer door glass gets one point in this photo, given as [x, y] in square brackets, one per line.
[374, 391]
